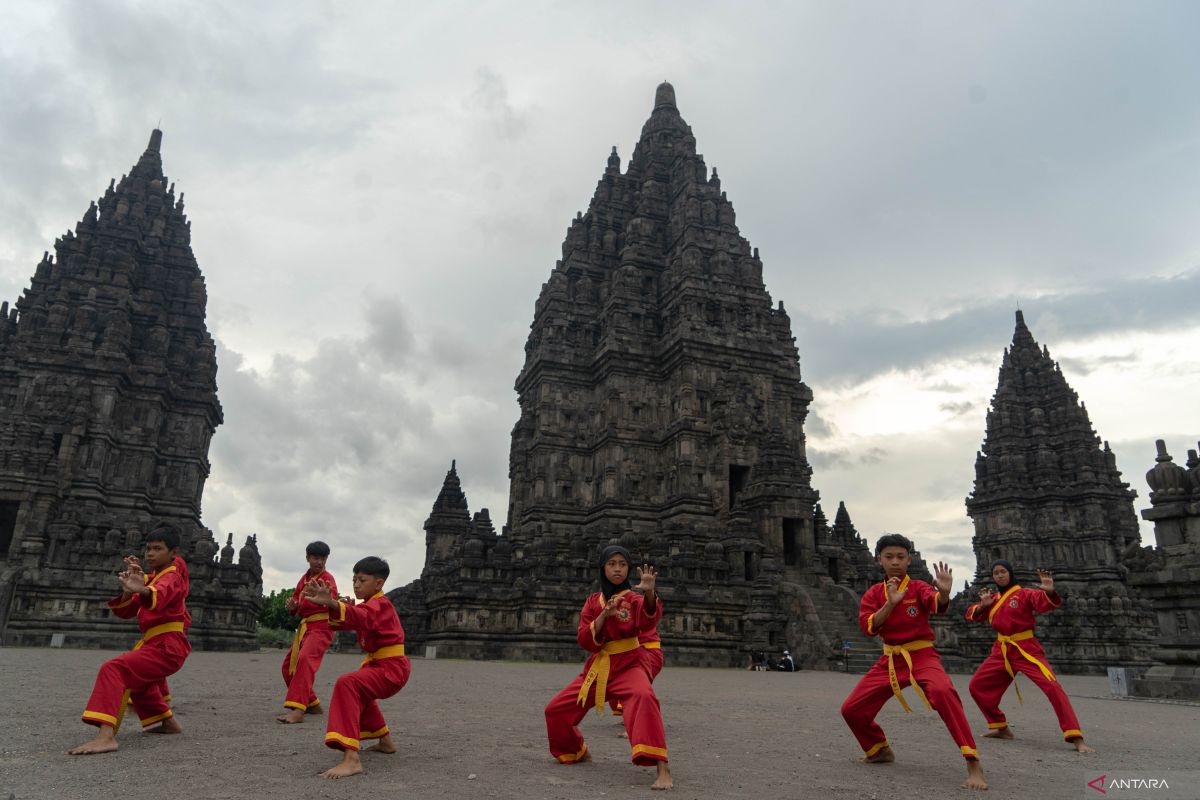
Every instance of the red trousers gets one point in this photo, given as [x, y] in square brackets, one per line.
[875, 689]
[991, 680]
[652, 662]
[630, 686]
[353, 713]
[143, 673]
[316, 641]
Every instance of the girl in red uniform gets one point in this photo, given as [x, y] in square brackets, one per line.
[610, 625]
[313, 637]
[1010, 610]
[139, 677]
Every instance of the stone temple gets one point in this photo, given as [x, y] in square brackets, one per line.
[108, 402]
[662, 407]
[1048, 495]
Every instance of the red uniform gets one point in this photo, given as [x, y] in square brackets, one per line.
[909, 656]
[652, 661]
[615, 669]
[354, 714]
[140, 676]
[312, 639]
[1016, 650]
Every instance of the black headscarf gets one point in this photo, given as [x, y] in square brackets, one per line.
[607, 587]
[1012, 576]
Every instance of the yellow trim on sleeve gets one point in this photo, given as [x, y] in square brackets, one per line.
[1051, 602]
[153, 597]
[121, 604]
[871, 624]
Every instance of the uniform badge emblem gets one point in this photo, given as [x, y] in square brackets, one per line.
[912, 611]
[1013, 603]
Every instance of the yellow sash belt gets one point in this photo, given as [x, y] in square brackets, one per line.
[598, 673]
[391, 651]
[890, 651]
[652, 645]
[299, 637]
[1005, 641]
[157, 630]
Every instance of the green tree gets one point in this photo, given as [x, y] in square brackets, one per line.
[274, 611]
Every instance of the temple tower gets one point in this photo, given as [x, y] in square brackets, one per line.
[662, 407]
[1049, 495]
[108, 403]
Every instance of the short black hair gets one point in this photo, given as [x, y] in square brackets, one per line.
[165, 533]
[893, 540]
[374, 566]
[318, 548]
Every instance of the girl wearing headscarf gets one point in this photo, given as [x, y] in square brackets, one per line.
[1011, 610]
[609, 626]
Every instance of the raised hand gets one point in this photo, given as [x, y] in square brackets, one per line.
[892, 589]
[320, 592]
[132, 582]
[1047, 578]
[943, 578]
[290, 604]
[986, 597]
[648, 576]
[133, 564]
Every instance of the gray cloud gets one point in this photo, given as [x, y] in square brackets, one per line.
[855, 346]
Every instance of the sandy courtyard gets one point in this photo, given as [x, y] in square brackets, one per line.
[475, 730]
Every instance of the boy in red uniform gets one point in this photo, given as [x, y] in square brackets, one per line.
[313, 637]
[139, 677]
[1011, 613]
[898, 611]
[610, 626]
[354, 714]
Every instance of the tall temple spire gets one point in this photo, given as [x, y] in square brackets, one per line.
[110, 371]
[1048, 495]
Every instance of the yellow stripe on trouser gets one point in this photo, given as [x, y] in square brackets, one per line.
[890, 651]
[598, 674]
[391, 651]
[1005, 641]
[157, 630]
[299, 637]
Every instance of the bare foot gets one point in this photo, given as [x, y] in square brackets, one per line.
[291, 716]
[663, 780]
[168, 725]
[384, 745]
[975, 779]
[1000, 733]
[1080, 747]
[105, 742]
[314, 710]
[884, 756]
[351, 765]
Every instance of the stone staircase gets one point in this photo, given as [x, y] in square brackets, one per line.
[829, 617]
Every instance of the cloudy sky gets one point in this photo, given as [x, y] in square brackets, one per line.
[378, 192]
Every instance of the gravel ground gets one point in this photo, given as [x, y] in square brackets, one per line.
[475, 730]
